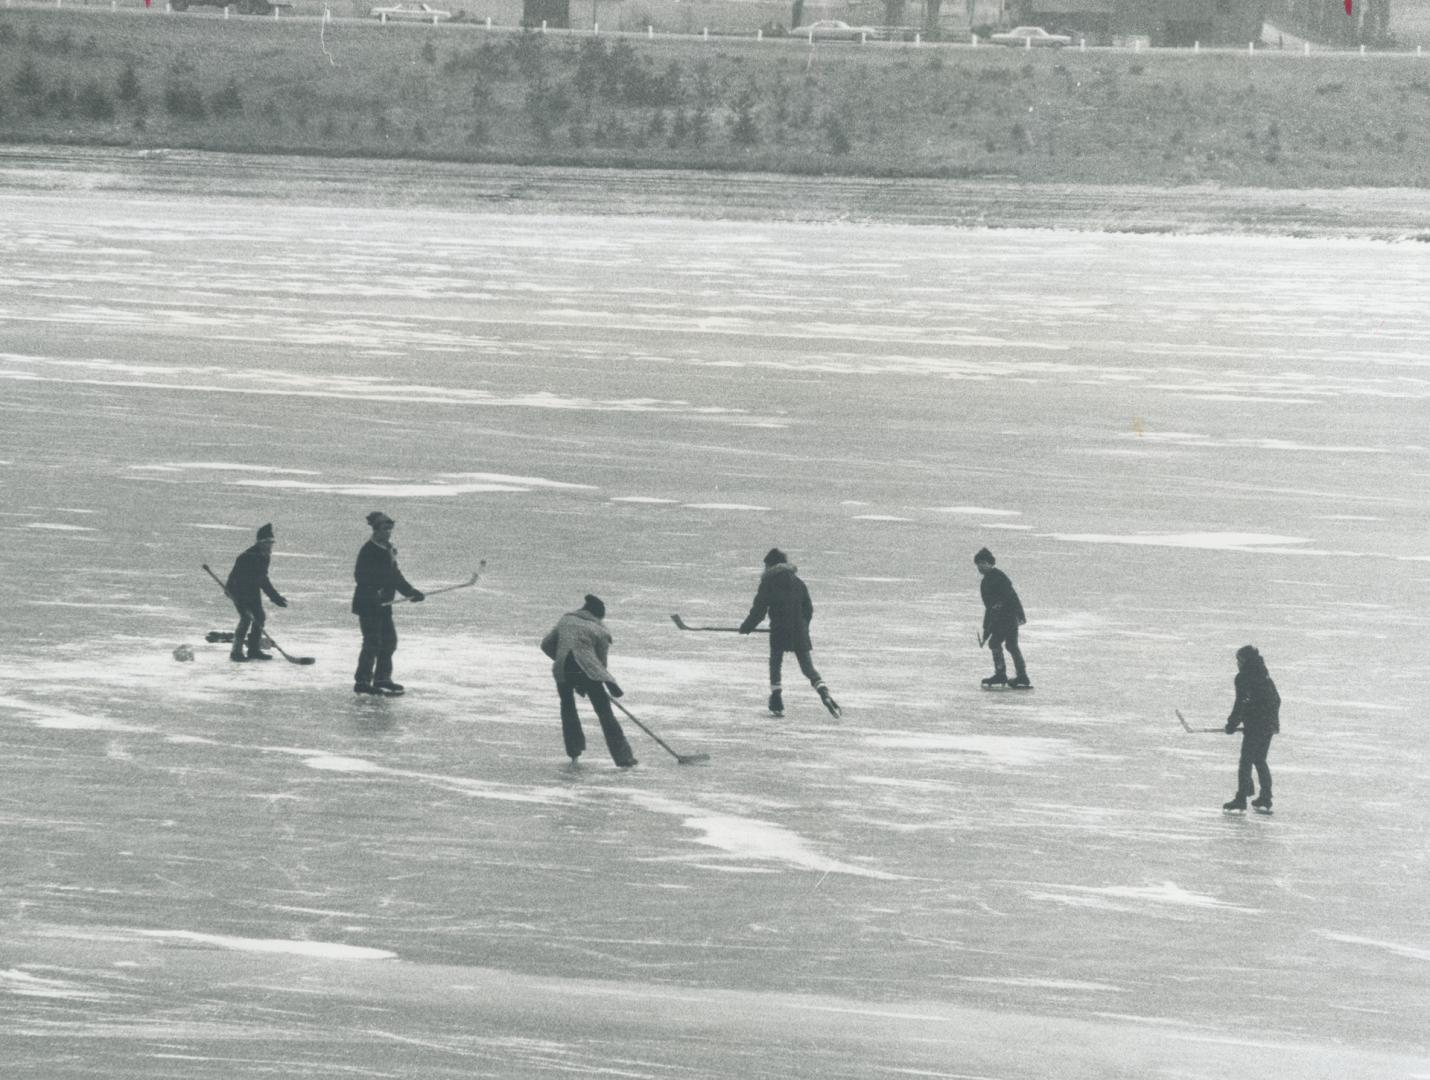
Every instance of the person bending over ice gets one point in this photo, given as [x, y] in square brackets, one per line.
[578, 646]
[785, 598]
[246, 584]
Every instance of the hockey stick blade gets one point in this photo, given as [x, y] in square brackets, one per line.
[679, 622]
[1196, 730]
[681, 759]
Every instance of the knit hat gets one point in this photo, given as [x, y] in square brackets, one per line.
[1246, 653]
[983, 555]
[265, 532]
[377, 517]
[775, 556]
[595, 605]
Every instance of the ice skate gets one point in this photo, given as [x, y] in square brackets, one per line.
[1238, 803]
[998, 678]
[388, 687]
[1262, 803]
[259, 654]
[777, 703]
[1019, 682]
[829, 702]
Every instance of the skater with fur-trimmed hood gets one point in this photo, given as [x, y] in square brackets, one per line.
[578, 645]
[1257, 712]
[1002, 615]
[246, 586]
[785, 598]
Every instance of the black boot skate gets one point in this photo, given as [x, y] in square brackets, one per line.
[998, 678]
[1262, 802]
[1238, 803]
[1020, 682]
[829, 702]
[777, 703]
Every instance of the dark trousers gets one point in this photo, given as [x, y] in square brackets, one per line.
[1254, 747]
[379, 642]
[571, 731]
[1002, 636]
[250, 625]
[806, 665]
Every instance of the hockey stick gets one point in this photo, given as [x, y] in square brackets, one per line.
[718, 629]
[684, 759]
[1189, 727]
[245, 611]
[446, 588]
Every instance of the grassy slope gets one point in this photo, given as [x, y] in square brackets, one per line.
[460, 93]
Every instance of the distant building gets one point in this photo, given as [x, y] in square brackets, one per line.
[1162, 22]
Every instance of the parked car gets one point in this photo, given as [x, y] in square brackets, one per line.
[408, 13]
[1022, 37]
[834, 30]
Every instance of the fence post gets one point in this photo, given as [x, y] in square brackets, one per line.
[1082, 44]
[1196, 46]
[973, 40]
[918, 40]
[650, 31]
[543, 26]
[759, 35]
[1305, 48]
[705, 33]
[1362, 48]
[1251, 48]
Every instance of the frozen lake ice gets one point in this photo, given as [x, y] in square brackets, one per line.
[1174, 444]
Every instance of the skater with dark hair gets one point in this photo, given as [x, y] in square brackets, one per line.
[378, 582]
[1258, 713]
[1002, 615]
[785, 598]
[578, 645]
[246, 585]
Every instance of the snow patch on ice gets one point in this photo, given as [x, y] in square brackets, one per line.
[23, 984]
[879, 517]
[221, 528]
[383, 491]
[1209, 541]
[724, 506]
[51, 716]
[1168, 892]
[976, 511]
[58, 527]
[223, 466]
[333, 763]
[522, 481]
[752, 838]
[325, 950]
[643, 499]
[1008, 750]
[1412, 952]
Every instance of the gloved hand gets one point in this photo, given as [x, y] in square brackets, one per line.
[417, 596]
[1231, 729]
[280, 602]
[614, 689]
[744, 629]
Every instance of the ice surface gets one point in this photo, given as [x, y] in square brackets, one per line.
[202, 860]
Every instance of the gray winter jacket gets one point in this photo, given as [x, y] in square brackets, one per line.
[579, 634]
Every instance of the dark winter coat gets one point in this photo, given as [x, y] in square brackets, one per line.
[1258, 705]
[1002, 610]
[784, 597]
[378, 579]
[249, 577]
[582, 637]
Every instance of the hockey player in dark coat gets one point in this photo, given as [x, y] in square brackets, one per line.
[246, 585]
[1002, 615]
[785, 598]
[1257, 712]
[378, 581]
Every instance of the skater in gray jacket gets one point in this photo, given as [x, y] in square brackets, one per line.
[578, 646]
[1257, 712]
